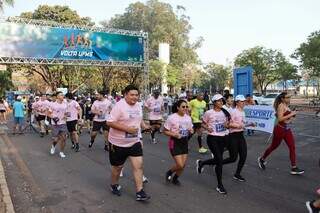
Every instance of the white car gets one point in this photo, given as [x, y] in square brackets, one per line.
[269, 99]
[257, 99]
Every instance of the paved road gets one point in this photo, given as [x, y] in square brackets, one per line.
[42, 183]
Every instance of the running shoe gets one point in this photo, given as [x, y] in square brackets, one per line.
[77, 148]
[62, 155]
[73, 145]
[52, 150]
[221, 190]
[176, 182]
[261, 163]
[90, 144]
[41, 134]
[296, 171]
[115, 189]
[145, 179]
[106, 147]
[239, 178]
[142, 196]
[311, 208]
[154, 141]
[203, 150]
[199, 167]
[168, 176]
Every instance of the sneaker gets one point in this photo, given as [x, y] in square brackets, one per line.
[221, 190]
[296, 171]
[239, 178]
[52, 150]
[106, 147]
[311, 208]
[62, 155]
[203, 150]
[261, 163]
[77, 148]
[145, 179]
[154, 141]
[168, 176]
[41, 134]
[142, 196]
[115, 189]
[90, 144]
[199, 167]
[73, 145]
[176, 182]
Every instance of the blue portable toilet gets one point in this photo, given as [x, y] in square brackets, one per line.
[243, 80]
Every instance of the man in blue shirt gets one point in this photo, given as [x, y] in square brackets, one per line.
[18, 114]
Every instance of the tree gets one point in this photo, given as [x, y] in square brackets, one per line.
[309, 54]
[163, 25]
[5, 81]
[216, 77]
[156, 72]
[6, 2]
[263, 62]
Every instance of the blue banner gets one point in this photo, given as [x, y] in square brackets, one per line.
[30, 41]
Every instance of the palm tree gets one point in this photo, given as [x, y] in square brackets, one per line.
[7, 2]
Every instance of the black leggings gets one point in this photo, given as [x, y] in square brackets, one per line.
[216, 145]
[237, 145]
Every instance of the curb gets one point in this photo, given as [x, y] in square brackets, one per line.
[5, 191]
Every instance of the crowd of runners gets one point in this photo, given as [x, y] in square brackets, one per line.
[122, 121]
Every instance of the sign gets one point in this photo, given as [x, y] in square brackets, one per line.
[43, 42]
[262, 116]
[243, 82]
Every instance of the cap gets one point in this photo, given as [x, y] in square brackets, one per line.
[240, 98]
[216, 97]
[19, 97]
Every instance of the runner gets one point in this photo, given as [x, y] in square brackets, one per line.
[155, 106]
[101, 109]
[216, 122]
[229, 103]
[3, 110]
[88, 116]
[197, 108]
[18, 114]
[125, 122]
[282, 131]
[40, 108]
[178, 127]
[57, 111]
[73, 111]
[237, 143]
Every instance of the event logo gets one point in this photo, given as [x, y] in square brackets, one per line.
[258, 113]
[77, 46]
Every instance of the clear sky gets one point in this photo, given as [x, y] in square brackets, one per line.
[228, 26]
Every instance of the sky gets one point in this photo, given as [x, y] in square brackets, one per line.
[227, 26]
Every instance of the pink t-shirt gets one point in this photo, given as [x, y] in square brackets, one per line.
[2, 107]
[58, 111]
[104, 107]
[238, 118]
[179, 124]
[215, 120]
[41, 107]
[72, 110]
[127, 115]
[155, 106]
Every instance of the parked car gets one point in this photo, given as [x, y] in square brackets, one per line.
[269, 99]
[257, 98]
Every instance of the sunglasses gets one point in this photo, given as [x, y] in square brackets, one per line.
[184, 107]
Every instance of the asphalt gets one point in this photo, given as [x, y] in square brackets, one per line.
[39, 182]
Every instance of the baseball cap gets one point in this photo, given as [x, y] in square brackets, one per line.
[240, 98]
[216, 97]
[19, 97]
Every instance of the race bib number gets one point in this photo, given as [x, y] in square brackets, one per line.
[128, 135]
[183, 132]
[220, 127]
[101, 116]
[157, 110]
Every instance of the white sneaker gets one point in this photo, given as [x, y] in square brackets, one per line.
[52, 150]
[62, 155]
[145, 179]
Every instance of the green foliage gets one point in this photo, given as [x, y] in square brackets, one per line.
[309, 54]
[6, 2]
[269, 66]
[5, 81]
[216, 77]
